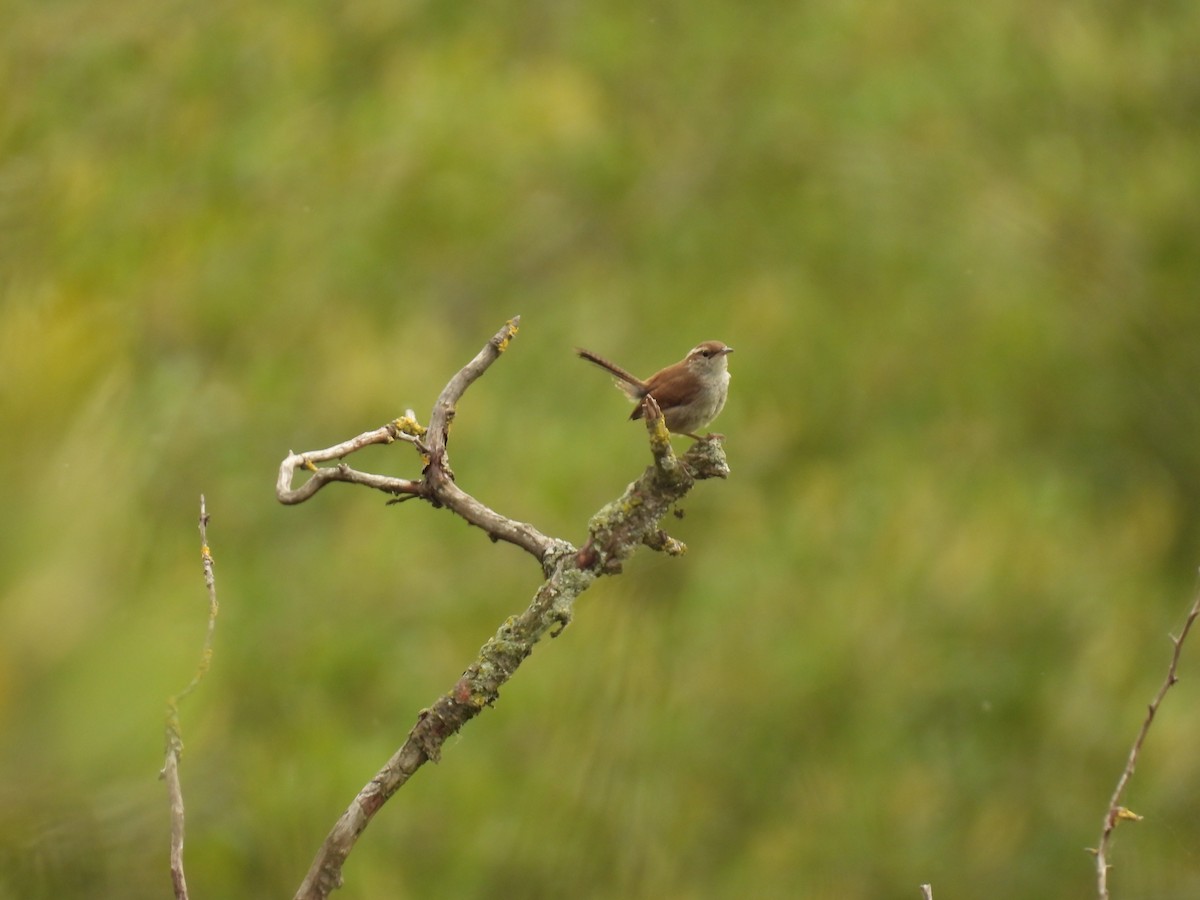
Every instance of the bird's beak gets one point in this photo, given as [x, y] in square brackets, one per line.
[727, 350]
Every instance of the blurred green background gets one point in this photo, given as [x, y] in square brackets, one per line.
[955, 247]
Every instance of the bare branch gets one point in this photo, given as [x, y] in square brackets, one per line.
[439, 477]
[174, 737]
[499, 528]
[1116, 812]
[615, 533]
[447, 402]
[403, 429]
[617, 529]
[437, 484]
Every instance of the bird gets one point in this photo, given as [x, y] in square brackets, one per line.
[690, 393]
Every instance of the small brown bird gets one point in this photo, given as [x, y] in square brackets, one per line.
[690, 393]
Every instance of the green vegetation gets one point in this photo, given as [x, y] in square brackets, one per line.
[954, 246]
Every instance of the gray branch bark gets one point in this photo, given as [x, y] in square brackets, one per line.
[615, 533]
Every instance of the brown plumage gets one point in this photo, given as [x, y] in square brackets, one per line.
[690, 393]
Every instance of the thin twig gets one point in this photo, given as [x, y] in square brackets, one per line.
[174, 736]
[402, 429]
[1116, 812]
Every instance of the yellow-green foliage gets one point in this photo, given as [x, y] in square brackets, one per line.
[955, 246]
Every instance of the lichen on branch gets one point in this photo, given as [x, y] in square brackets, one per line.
[615, 533]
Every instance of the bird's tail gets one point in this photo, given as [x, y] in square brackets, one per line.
[632, 386]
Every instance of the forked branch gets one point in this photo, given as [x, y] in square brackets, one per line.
[436, 484]
[615, 533]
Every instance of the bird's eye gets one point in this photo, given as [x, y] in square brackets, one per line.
[706, 353]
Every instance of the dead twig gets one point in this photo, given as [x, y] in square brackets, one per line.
[174, 737]
[437, 482]
[1116, 812]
